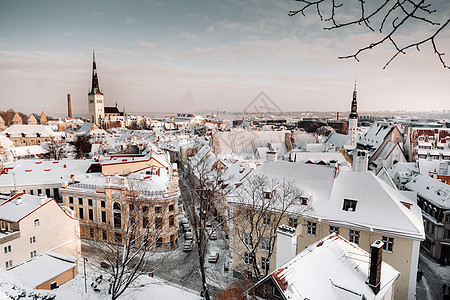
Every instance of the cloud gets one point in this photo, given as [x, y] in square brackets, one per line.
[131, 21]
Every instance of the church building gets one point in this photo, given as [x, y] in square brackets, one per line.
[96, 98]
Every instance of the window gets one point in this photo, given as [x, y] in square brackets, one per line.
[248, 215]
[266, 219]
[159, 242]
[33, 254]
[39, 192]
[90, 202]
[91, 232]
[81, 213]
[103, 216]
[31, 192]
[9, 264]
[56, 193]
[158, 209]
[388, 244]
[265, 244]
[80, 201]
[432, 228]
[334, 229]
[267, 195]
[145, 209]
[117, 237]
[447, 234]
[37, 223]
[158, 223]
[116, 206]
[103, 204]
[71, 200]
[349, 205]
[293, 222]
[7, 249]
[265, 264]
[91, 215]
[104, 235]
[248, 260]
[32, 239]
[447, 218]
[312, 227]
[171, 207]
[353, 236]
[47, 192]
[171, 220]
[247, 239]
[117, 220]
[145, 222]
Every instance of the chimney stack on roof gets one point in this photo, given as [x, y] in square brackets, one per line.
[376, 258]
[360, 160]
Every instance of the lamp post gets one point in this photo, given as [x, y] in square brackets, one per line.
[85, 279]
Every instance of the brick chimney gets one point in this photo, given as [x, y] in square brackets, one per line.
[69, 106]
[376, 256]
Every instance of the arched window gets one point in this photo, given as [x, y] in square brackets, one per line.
[116, 206]
[37, 223]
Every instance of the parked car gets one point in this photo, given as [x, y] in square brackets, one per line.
[187, 246]
[214, 257]
[213, 236]
[187, 227]
[188, 235]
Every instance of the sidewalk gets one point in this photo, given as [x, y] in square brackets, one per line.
[434, 275]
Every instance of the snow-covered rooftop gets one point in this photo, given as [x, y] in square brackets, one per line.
[42, 269]
[431, 189]
[332, 268]
[20, 206]
[41, 172]
[29, 131]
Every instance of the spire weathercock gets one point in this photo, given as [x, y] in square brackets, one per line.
[95, 89]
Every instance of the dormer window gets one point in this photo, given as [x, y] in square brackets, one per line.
[267, 195]
[349, 205]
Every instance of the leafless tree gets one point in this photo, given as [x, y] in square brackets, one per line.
[259, 207]
[82, 146]
[125, 253]
[56, 149]
[388, 17]
[204, 184]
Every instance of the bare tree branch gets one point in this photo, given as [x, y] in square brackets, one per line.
[397, 12]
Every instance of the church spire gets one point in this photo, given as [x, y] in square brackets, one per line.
[95, 89]
[354, 112]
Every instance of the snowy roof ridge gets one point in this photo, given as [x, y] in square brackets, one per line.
[333, 264]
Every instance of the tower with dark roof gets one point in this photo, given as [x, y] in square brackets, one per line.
[353, 120]
[96, 101]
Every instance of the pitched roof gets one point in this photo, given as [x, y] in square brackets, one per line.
[29, 130]
[332, 268]
[42, 268]
[20, 206]
[431, 189]
[17, 118]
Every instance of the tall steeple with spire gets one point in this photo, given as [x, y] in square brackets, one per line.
[96, 99]
[353, 120]
[95, 89]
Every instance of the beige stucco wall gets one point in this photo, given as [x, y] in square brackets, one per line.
[57, 232]
[400, 258]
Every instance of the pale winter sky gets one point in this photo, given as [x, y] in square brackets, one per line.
[203, 55]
